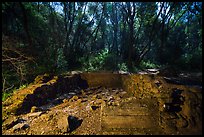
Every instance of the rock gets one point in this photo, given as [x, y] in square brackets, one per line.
[76, 72]
[153, 71]
[74, 123]
[65, 101]
[110, 98]
[123, 72]
[34, 109]
[142, 72]
[35, 114]
[20, 126]
[63, 124]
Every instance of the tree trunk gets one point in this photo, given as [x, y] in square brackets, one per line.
[115, 29]
[25, 24]
[131, 42]
[162, 43]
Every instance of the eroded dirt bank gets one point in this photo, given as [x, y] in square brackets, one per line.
[86, 104]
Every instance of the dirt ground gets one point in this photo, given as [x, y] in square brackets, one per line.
[173, 109]
[52, 120]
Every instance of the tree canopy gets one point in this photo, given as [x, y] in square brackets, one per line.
[54, 37]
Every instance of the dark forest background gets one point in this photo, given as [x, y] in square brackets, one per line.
[57, 37]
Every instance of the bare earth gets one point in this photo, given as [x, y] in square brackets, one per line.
[112, 111]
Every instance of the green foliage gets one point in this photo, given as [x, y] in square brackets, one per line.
[95, 62]
[61, 62]
[122, 67]
[104, 60]
[60, 40]
[191, 61]
[7, 94]
[22, 86]
[148, 65]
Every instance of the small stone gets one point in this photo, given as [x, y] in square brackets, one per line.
[110, 98]
[20, 126]
[65, 101]
[123, 72]
[34, 109]
[35, 114]
[73, 123]
[76, 72]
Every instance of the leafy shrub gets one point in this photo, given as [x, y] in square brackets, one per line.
[95, 62]
[104, 60]
[122, 67]
[5, 95]
[148, 65]
[61, 62]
